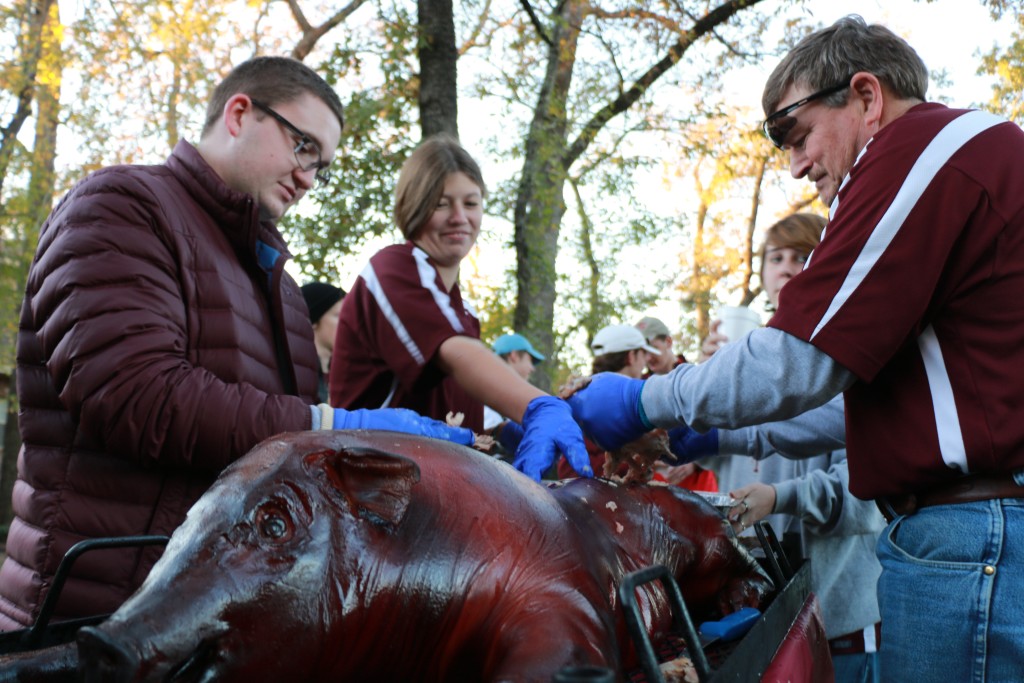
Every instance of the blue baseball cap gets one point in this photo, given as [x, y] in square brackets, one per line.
[507, 343]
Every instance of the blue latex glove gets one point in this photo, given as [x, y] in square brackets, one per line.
[399, 420]
[609, 410]
[510, 435]
[732, 626]
[688, 445]
[548, 428]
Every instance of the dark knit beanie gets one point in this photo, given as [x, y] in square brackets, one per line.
[319, 297]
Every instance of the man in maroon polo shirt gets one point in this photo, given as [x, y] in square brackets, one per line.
[911, 306]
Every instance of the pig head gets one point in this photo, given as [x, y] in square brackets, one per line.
[331, 556]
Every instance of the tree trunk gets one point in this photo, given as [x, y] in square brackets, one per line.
[40, 198]
[539, 202]
[44, 154]
[700, 294]
[10, 442]
[37, 11]
[438, 57]
[749, 292]
[549, 154]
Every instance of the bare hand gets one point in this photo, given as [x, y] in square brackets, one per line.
[674, 473]
[754, 503]
[712, 342]
[572, 385]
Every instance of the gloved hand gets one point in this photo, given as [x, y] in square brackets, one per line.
[688, 445]
[609, 410]
[548, 428]
[509, 435]
[395, 420]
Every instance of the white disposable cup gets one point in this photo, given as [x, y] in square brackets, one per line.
[737, 321]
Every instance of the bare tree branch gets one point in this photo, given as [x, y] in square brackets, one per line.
[666, 22]
[311, 34]
[626, 100]
[477, 30]
[33, 42]
[535, 21]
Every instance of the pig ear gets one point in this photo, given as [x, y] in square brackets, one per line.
[377, 485]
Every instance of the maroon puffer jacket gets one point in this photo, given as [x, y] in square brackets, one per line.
[155, 316]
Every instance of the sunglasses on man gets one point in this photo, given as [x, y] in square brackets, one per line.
[777, 126]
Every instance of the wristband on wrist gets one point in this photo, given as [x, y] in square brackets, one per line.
[326, 416]
[641, 413]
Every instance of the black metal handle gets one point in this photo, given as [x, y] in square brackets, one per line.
[34, 634]
[782, 572]
[681, 622]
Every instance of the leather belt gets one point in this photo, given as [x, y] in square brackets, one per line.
[853, 643]
[967, 489]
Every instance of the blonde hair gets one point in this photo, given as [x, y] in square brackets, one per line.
[421, 182]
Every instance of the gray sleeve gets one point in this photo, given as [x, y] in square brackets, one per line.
[767, 376]
[821, 499]
[819, 430]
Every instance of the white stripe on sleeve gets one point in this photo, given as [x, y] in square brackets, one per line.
[369, 276]
[427, 276]
[949, 140]
[947, 420]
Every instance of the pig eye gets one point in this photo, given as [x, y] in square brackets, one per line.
[273, 524]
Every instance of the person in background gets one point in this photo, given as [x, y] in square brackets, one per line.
[406, 337]
[324, 303]
[911, 306]
[620, 349]
[518, 352]
[658, 335]
[161, 339]
[784, 250]
[836, 531]
[690, 475]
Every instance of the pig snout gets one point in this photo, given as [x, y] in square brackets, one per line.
[104, 659]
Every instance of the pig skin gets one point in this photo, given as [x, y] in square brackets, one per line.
[357, 556]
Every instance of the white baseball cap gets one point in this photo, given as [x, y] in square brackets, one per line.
[618, 338]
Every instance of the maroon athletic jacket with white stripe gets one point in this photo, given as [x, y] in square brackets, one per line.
[394, 320]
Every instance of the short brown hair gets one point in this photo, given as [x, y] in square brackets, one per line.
[826, 57]
[421, 182]
[271, 80]
[610, 362]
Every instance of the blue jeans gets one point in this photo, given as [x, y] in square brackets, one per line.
[951, 594]
[861, 668]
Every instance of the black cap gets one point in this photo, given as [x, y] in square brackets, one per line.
[319, 297]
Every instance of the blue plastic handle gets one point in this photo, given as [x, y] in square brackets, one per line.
[732, 626]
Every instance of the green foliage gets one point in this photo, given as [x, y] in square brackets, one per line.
[1007, 65]
[143, 72]
[146, 69]
[380, 119]
[30, 66]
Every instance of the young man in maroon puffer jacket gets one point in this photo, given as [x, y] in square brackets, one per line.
[161, 339]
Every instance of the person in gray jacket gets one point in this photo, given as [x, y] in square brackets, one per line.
[834, 530]
[838, 530]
